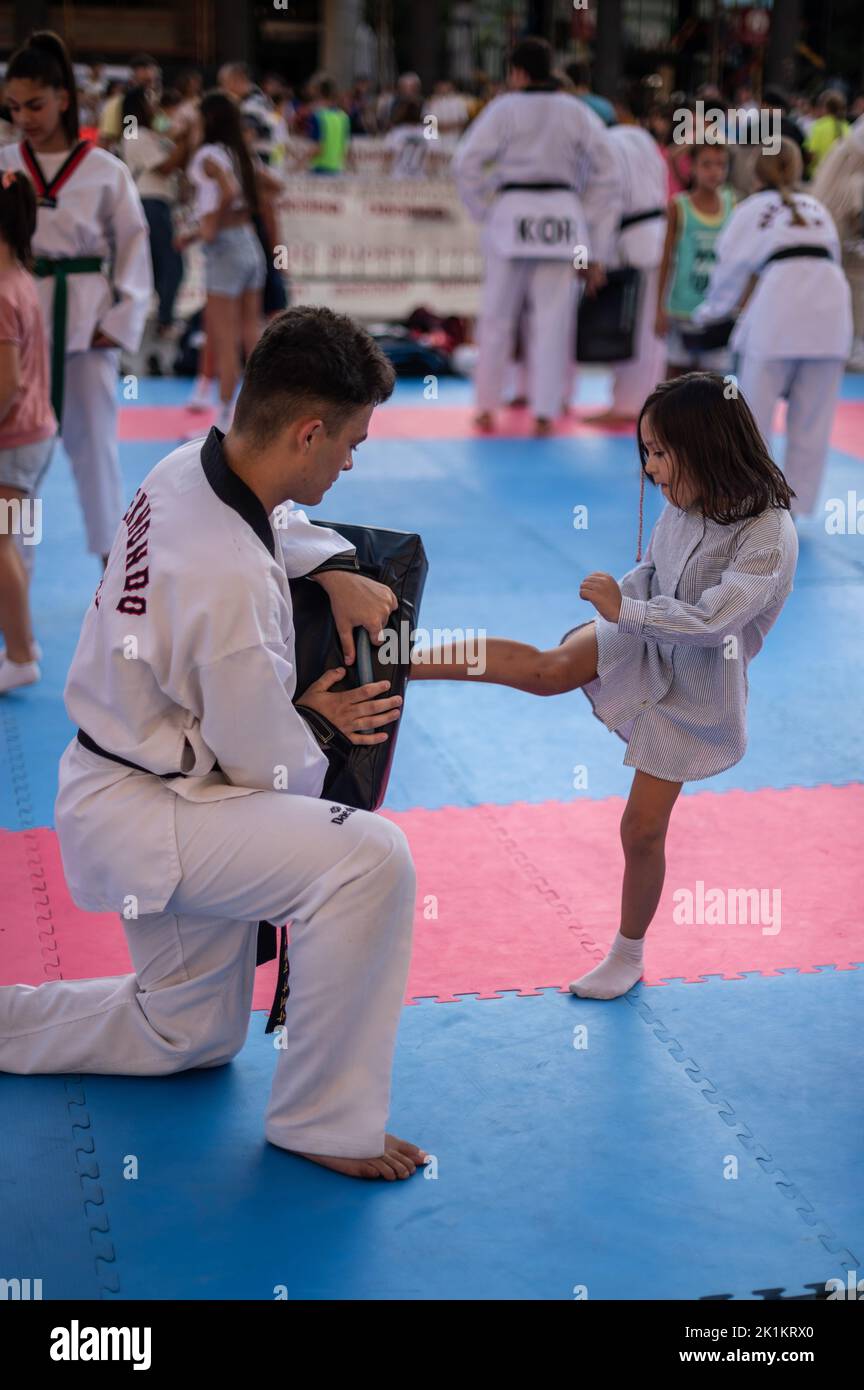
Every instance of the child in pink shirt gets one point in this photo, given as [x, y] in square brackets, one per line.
[27, 428]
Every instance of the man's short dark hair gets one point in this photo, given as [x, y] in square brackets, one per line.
[310, 360]
[533, 56]
[579, 74]
[143, 60]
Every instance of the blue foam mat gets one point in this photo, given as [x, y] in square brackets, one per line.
[556, 1166]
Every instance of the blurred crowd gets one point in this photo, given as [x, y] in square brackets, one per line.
[404, 132]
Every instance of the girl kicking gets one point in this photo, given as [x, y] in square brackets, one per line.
[664, 663]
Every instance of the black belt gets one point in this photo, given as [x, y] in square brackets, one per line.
[93, 747]
[632, 218]
[266, 947]
[819, 253]
[535, 187]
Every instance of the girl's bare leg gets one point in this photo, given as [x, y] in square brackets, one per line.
[498, 661]
[223, 337]
[251, 320]
[643, 836]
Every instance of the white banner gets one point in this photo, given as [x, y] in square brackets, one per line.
[375, 248]
[379, 247]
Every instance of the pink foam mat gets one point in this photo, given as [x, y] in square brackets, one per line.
[524, 897]
[437, 420]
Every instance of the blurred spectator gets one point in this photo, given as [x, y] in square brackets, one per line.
[839, 186]
[829, 127]
[153, 161]
[408, 88]
[406, 142]
[802, 110]
[145, 73]
[580, 76]
[329, 130]
[190, 85]
[449, 108]
[90, 97]
[662, 122]
[8, 133]
[361, 108]
[256, 108]
[775, 99]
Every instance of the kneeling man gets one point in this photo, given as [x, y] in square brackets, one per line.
[188, 801]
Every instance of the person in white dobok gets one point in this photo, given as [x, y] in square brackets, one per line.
[779, 257]
[92, 250]
[537, 171]
[641, 233]
[190, 800]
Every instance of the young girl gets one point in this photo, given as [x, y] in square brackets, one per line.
[226, 201]
[779, 257]
[694, 222]
[664, 663]
[27, 424]
[93, 262]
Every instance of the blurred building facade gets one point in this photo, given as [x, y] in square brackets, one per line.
[799, 43]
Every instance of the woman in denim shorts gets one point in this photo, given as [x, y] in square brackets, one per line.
[226, 200]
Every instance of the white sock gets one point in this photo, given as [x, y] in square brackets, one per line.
[17, 673]
[614, 975]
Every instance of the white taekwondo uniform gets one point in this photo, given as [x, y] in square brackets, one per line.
[536, 169]
[96, 216]
[642, 232]
[186, 662]
[794, 334]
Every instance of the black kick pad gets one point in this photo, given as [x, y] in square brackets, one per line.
[359, 776]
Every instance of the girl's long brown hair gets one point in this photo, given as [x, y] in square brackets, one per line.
[715, 441]
[222, 126]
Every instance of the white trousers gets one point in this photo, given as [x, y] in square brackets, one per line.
[348, 889]
[550, 288]
[89, 434]
[812, 387]
[635, 379]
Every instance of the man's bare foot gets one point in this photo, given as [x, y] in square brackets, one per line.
[399, 1160]
[485, 421]
[518, 403]
[542, 427]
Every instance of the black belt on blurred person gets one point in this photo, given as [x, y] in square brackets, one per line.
[535, 188]
[633, 217]
[819, 253]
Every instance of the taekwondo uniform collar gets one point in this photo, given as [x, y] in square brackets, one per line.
[231, 489]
